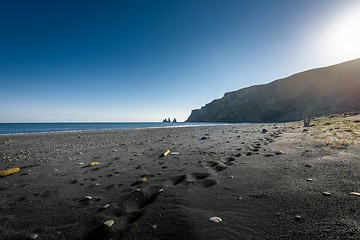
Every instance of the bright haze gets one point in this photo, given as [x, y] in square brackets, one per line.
[146, 60]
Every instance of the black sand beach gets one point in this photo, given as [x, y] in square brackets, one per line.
[264, 181]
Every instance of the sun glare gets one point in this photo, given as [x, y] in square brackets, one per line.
[341, 38]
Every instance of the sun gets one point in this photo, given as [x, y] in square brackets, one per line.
[341, 36]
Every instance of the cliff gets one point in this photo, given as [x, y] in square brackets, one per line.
[317, 92]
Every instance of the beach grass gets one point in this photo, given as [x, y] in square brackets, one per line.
[339, 131]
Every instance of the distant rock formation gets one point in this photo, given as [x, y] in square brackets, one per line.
[317, 92]
[168, 120]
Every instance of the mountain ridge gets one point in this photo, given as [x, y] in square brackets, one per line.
[315, 92]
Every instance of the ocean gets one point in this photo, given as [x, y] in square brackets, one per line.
[21, 128]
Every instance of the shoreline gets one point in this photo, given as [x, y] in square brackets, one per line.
[255, 177]
[119, 129]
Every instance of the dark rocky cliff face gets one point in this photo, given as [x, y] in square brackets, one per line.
[317, 92]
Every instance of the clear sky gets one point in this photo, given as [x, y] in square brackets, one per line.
[144, 60]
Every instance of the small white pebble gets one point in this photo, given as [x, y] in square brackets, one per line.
[297, 217]
[161, 190]
[355, 193]
[326, 193]
[154, 226]
[215, 219]
[105, 206]
[34, 236]
[109, 223]
[88, 197]
[309, 179]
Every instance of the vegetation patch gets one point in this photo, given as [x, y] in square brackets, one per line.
[337, 131]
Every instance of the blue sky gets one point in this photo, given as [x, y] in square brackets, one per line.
[147, 60]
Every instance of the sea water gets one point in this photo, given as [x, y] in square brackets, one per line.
[15, 128]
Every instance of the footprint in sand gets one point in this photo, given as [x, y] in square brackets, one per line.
[73, 181]
[248, 153]
[216, 165]
[132, 205]
[222, 164]
[21, 199]
[229, 161]
[196, 178]
[129, 209]
[201, 179]
[110, 186]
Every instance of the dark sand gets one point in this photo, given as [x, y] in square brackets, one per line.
[255, 181]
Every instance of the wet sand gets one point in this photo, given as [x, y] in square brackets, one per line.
[265, 181]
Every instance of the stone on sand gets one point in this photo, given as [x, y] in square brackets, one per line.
[7, 172]
[105, 206]
[140, 181]
[215, 219]
[355, 193]
[165, 153]
[109, 223]
[86, 198]
[33, 236]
